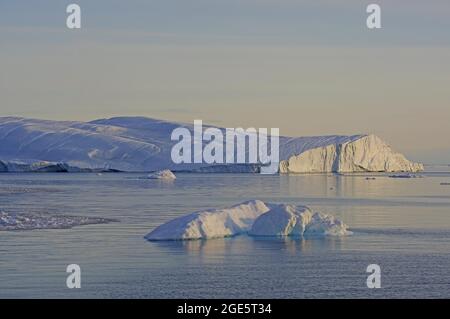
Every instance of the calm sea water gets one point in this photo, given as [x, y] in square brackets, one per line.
[403, 225]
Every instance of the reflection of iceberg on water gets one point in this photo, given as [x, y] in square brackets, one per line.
[255, 218]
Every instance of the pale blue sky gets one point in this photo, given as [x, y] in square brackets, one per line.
[308, 67]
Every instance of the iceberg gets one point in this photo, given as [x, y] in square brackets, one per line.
[139, 144]
[282, 220]
[362, 154]
[324, 224]
[254, 218]
[214, 223]
[165, 175]
[289, 220]
[38, 166]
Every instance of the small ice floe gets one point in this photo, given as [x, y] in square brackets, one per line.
[255, 218]
[30, 221]
[165, 175]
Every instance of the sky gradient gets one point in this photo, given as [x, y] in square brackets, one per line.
[307, 67]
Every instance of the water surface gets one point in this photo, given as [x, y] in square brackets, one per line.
[401, 224]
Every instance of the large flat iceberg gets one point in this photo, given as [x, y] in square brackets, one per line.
[142, 144]
[255, 218]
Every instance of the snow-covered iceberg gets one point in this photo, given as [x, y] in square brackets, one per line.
[31, 221]
[255, 218]
[214, 223]
[142, 144]
[164, 174]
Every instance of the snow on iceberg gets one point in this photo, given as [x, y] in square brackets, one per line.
[213, 223]
[165, 174]
[30, 221]
[255, 218]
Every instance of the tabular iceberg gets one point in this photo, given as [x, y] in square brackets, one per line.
[255, 218]
[141, 144]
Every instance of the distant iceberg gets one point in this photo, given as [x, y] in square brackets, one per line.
[139, 144]
[39, 166]
[164, 174]
[15, 166]
[255, 218]
[363, 154]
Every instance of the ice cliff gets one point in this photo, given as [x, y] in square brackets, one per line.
[364, 154]
[255, 218]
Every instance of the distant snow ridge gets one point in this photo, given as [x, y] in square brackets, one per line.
[253, 217]
[165, 175]
[143, 144]
[30, 221]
